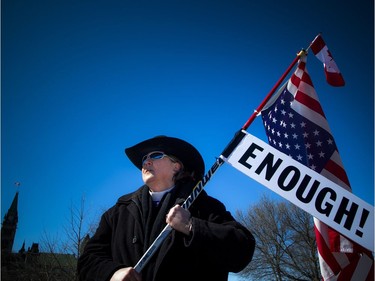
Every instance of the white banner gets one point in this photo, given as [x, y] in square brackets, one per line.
[307, 189]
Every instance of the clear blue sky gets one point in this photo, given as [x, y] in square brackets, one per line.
[82, 80]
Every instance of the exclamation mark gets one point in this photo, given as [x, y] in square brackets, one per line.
[364, 216]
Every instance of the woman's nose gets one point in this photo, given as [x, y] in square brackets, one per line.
[146, 162]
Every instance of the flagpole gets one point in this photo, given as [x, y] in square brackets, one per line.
[275, 87]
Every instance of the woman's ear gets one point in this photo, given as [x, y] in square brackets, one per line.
[177, 166]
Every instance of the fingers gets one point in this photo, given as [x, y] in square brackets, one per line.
[179, 218]
[178, 214]
[126, 274]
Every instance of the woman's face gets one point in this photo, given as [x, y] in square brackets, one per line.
[158, 174]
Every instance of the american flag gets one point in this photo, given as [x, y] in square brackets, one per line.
[296, 125]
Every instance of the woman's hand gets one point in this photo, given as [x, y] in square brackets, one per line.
[126, 274]
[179, 218]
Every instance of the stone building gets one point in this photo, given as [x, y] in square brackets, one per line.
[30, 264]
[9, 227]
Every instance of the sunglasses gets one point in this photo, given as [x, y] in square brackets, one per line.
[155, 155]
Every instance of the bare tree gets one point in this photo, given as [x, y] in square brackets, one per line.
[77, 229]
[285, 242]
[60, 255]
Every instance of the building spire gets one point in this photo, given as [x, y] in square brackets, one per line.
[9, 227]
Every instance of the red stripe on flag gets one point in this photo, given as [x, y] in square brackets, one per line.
[309, 102]
[295, 80]
[338, 171]
[307, 79]
[347, 272]
[302, 65]
[334, 240]
[326, 253]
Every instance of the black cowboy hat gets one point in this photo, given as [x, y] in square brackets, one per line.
[182, 150]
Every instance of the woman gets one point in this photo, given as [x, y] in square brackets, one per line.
[206, 243]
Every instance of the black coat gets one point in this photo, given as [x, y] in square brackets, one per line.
[218, 244]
